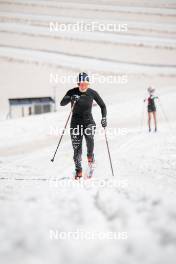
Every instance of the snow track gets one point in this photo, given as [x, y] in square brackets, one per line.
[93, 36]
[139, 202]
[108, 8]
[45, 20]
[92, 64]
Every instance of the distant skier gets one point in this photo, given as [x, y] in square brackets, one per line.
[82, 122]
[151, 108]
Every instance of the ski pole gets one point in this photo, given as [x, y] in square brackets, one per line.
[52, 160]
[107, 144]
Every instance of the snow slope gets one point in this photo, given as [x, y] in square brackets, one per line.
[38, 197]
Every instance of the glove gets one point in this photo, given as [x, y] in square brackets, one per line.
[75, 98]
[104, 122]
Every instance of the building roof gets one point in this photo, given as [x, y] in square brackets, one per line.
[30, 100]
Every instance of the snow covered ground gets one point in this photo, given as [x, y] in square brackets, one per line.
[45, 216]
[39, 198]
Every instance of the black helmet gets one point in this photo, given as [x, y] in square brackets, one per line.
[83, 77]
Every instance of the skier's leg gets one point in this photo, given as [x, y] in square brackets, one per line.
[149, 121]
[155, 121]
[89, 132]
[76, 137]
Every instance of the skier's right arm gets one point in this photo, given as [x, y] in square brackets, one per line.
[66, 99]
[155, 97]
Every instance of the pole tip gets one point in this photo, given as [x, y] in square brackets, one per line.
[52, 160]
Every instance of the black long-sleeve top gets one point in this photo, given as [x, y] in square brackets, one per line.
[83, 108]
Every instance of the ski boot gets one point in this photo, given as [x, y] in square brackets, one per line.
[78, 174]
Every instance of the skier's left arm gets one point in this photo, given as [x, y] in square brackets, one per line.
[155, 97]
[102, 105]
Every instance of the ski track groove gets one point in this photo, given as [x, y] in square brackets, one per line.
[40, 20]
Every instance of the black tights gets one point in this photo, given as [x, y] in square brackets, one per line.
[77, 131]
